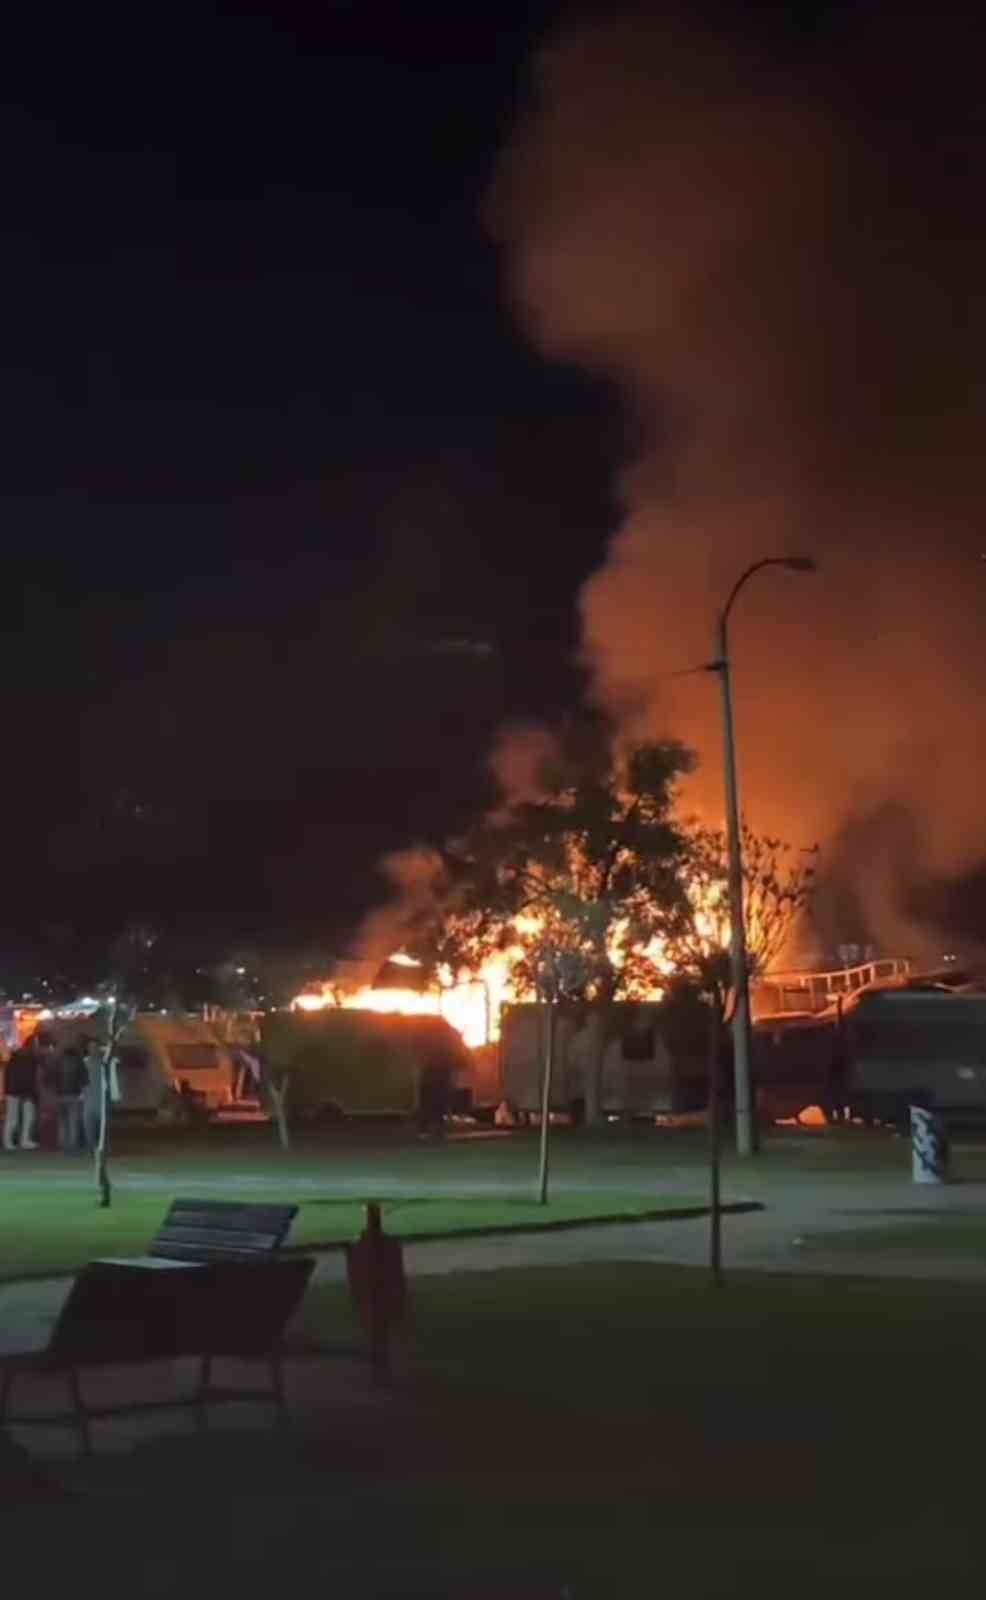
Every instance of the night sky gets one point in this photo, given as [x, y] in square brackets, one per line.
[271, 425]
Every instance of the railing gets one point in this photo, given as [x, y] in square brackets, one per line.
[816, 991]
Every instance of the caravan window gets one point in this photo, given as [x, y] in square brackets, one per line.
[638, 1044]
[193, 1057]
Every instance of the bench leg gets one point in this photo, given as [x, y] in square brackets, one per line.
[5, 1392]
[78, 1405]
[277, 1390]
[202, 1394]
[75, 1384]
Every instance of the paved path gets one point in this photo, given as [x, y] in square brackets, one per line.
[797, 1206]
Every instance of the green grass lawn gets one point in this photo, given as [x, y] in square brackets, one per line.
[49, 1222]
[630, 1430]
[46, 1230]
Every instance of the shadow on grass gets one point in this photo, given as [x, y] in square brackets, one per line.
[421, 1221]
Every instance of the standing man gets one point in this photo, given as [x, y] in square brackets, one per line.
[22, 1082]
[92, 1097]
[70, 1080]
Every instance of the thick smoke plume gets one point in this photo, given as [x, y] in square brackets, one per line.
[781, 260]
[414, 880]
[522, 753]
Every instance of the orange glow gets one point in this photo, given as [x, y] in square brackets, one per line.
[311, 1002]
[472, 1005]
[473, 1001]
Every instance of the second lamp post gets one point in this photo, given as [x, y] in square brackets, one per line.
[737, 927]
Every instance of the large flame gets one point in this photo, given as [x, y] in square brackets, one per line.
[473, 1001]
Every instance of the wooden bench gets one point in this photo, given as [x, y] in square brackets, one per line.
[212, 1285]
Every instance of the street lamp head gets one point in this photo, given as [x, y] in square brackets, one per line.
[800, 563]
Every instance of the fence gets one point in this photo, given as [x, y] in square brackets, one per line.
[816, 991]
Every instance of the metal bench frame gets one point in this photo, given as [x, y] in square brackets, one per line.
[212, 1271]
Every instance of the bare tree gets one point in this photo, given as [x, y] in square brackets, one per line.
[778, 883]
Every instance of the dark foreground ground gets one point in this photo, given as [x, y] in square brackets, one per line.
[589, 1430]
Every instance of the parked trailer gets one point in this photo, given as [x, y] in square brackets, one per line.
[795, 1061]
[341, 1063]
[655, 1062]
[909, 1046]
[158, 1055]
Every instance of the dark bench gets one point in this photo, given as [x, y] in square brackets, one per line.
[212, 1285]
[221, 1230]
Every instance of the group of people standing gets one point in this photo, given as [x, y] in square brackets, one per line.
[70, 1078]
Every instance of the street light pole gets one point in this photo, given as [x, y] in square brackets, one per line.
[547, 985]
[737, 925]
[745, 1143]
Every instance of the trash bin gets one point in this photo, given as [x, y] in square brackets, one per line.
[929, 1147]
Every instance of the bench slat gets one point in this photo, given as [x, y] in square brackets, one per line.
[177, 1251]
[202, 1228]
[208, 1230]
[235, 1216]
[261, 1242]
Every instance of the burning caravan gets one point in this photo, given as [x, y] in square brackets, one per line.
[924, 1046]
[342, 1063]
[653, 1064]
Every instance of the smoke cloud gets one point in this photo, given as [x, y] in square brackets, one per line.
[415, 882]
[779, 256]
[523, 757]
